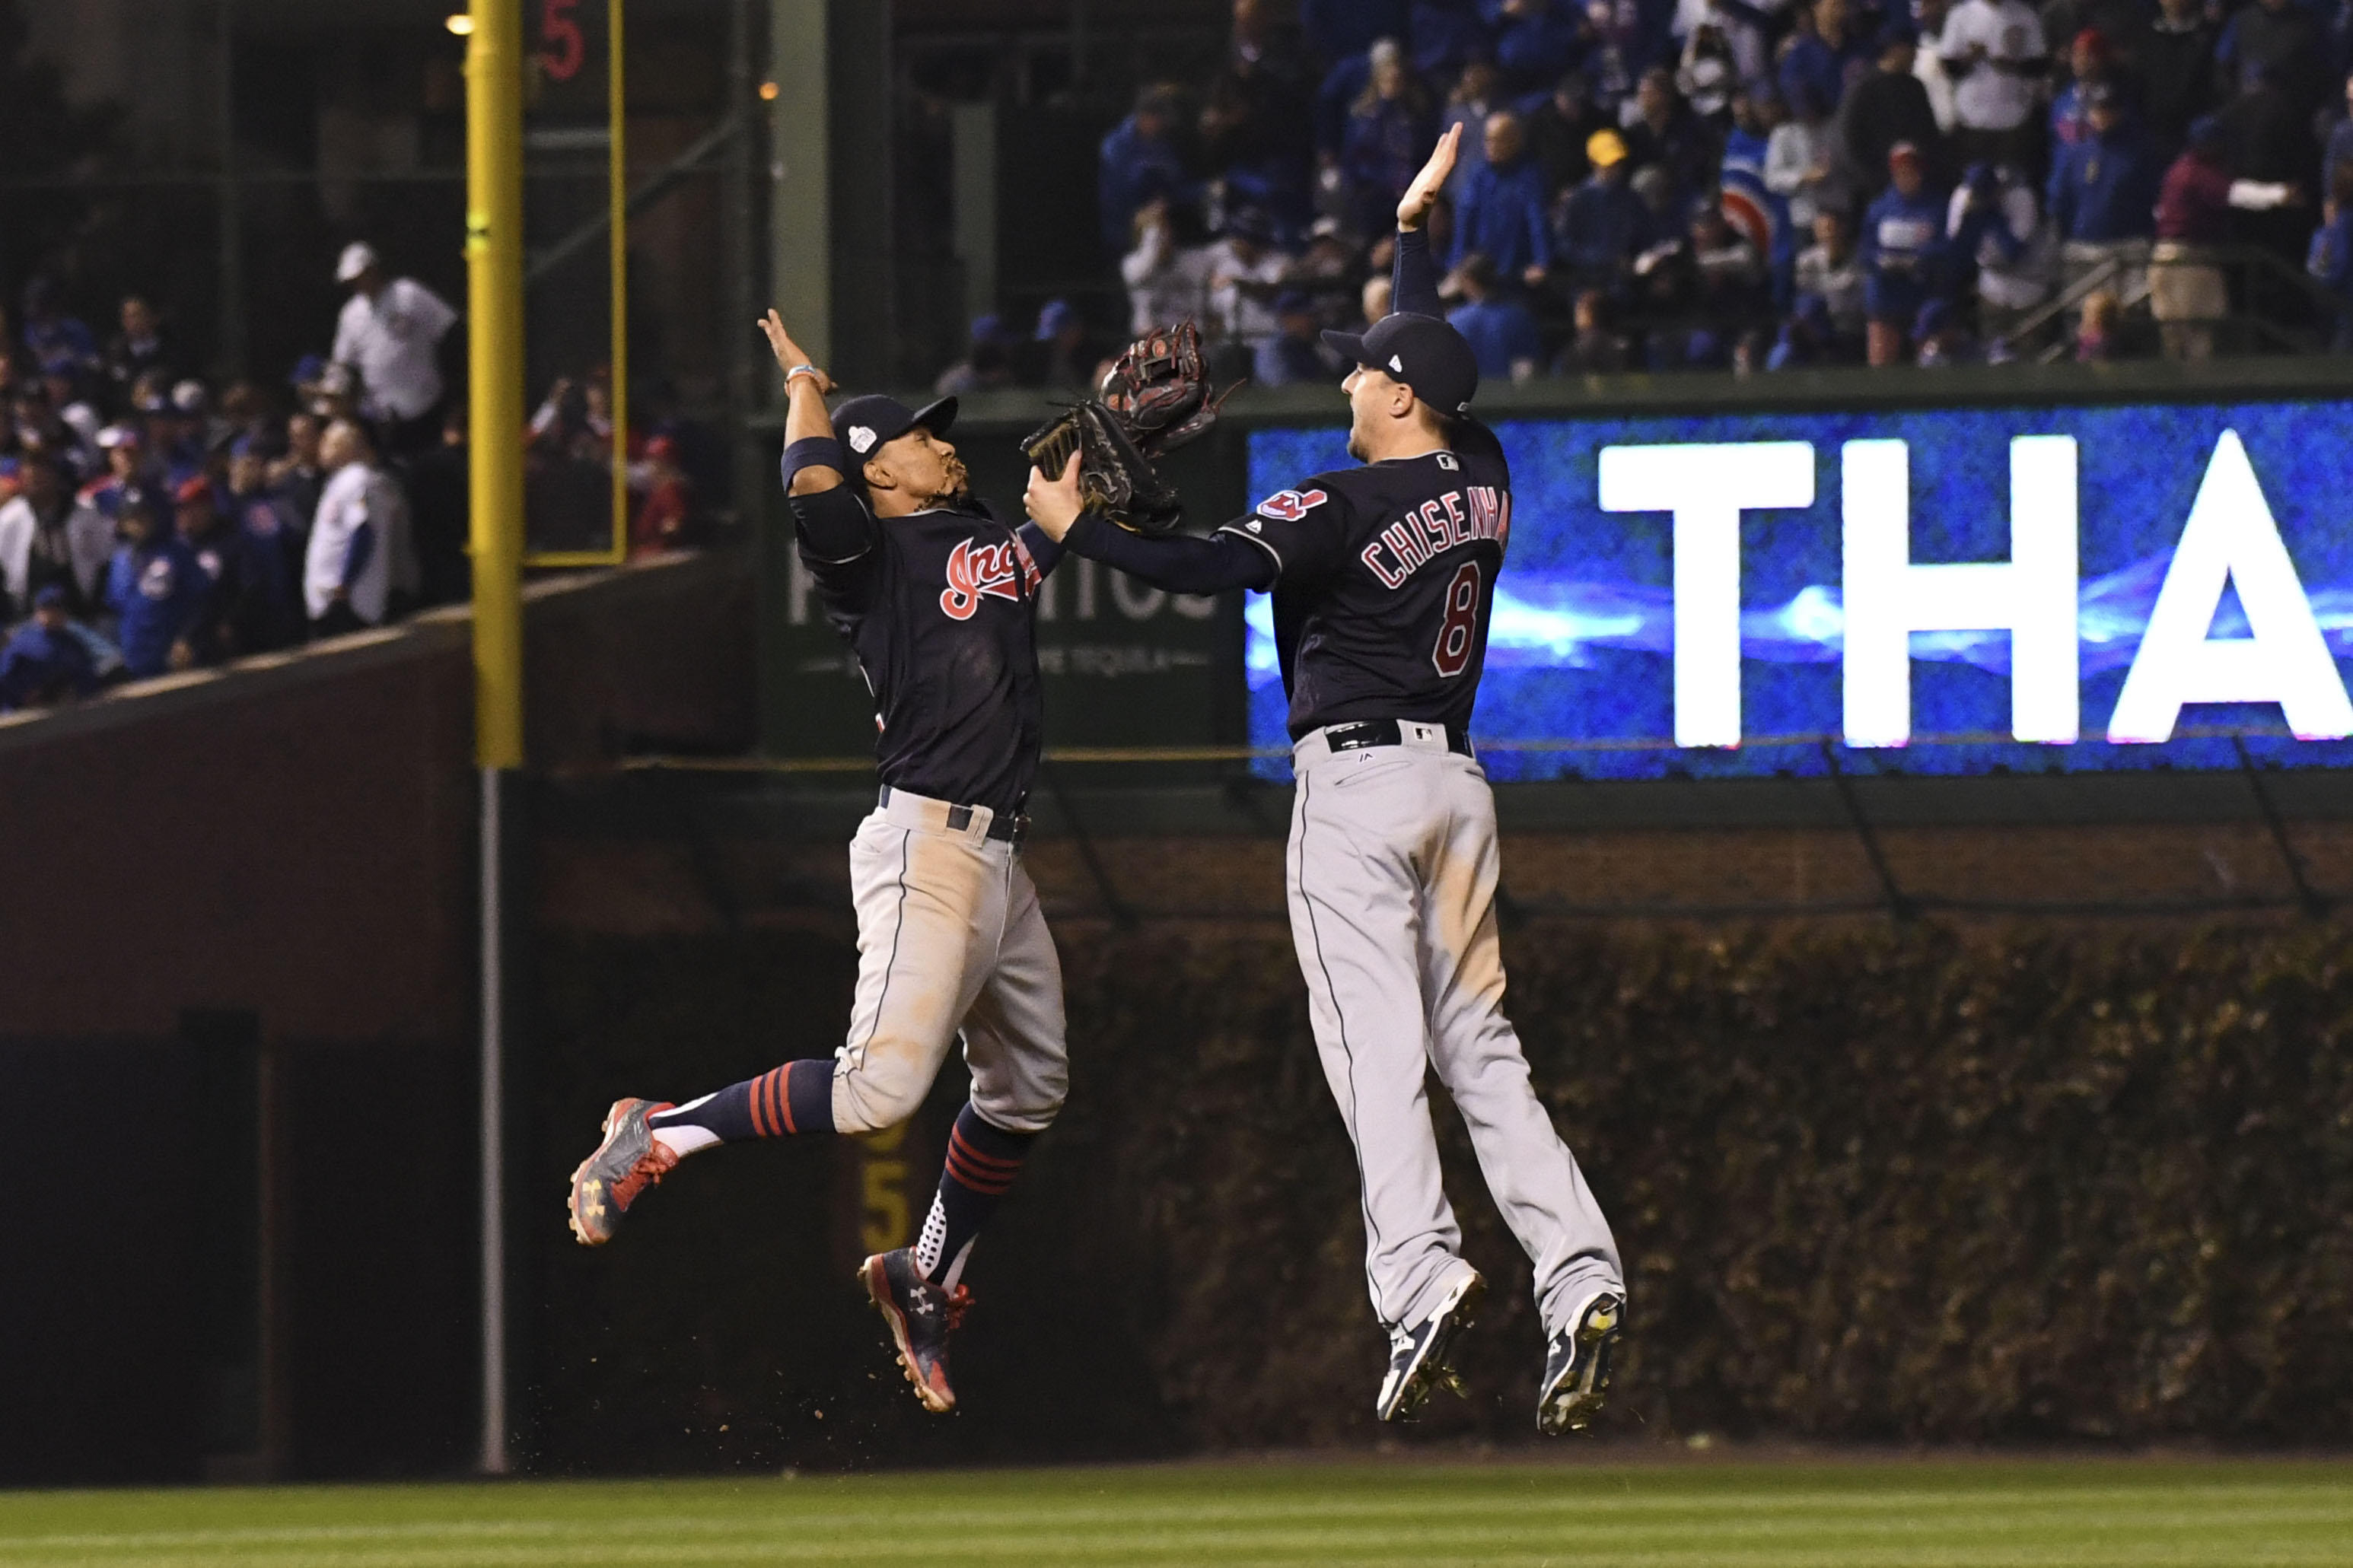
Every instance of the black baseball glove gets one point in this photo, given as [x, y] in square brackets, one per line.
[1153, 399]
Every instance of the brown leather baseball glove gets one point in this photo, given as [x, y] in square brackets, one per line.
[1153, 399]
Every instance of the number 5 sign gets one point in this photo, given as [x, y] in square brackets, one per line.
[567, 49]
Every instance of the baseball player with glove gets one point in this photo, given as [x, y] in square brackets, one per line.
[939, 600]
[1383, 576]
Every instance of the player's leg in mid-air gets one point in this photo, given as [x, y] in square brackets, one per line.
[1534, 1178]
[1392, 890]
[948, 926]
[1356, 910]
[1013, 1042]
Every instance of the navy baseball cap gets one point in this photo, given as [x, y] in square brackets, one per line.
[865, 424]
[1423, 351]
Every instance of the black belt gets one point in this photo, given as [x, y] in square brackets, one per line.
[1007, 827]
[1365, 732]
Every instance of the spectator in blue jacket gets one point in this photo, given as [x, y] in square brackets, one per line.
[1825, 47]
[2103, 191]
[1902, 252]
[2330, 259]
[1388, 137]
[2093, 68]
[250, 606]
[58, 342]
[156, 588]
[1602, 223]
[1140, 163]
[1535, 40]
[1503, 212]
[46, 661]
[2338, 152]
[1502, 334]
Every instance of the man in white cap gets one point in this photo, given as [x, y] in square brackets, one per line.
[390, 332]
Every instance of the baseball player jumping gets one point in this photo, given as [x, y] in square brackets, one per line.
[1382, 576]
[939, 600]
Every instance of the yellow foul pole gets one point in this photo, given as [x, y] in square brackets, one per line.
[494, 330]
[618, 180]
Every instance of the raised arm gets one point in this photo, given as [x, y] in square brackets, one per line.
[1414, 282]
[818, 467]
[834, 524]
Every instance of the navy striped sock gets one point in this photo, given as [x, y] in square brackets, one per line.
[982, 1161]
[796, 1097]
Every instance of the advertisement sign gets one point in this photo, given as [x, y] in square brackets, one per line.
[1944, 591]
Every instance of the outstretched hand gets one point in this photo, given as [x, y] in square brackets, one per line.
[1415, 205]
[788, 353]
[1054, 504]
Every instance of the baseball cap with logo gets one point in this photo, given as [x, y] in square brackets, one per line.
[1423, 351]
[864, 425]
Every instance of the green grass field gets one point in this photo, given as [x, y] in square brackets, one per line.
[1891, 1512]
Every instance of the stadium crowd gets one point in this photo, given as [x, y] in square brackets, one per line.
[1752, 184]
[152, 520]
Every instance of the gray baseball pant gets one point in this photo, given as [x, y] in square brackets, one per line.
[1392, 873]
[949, 936]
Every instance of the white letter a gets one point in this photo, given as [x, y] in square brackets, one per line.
[2231, 539]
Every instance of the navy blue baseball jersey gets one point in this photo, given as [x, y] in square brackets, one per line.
[1386, 574]
[940, 607]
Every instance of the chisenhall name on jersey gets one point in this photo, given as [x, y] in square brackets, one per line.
[1457, 517]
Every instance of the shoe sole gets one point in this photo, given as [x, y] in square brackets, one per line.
[589, 1211]
[873, 1275]
[1458, 1312]
[1571, 1405]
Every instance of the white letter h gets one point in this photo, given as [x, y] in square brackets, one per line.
[2032, 595]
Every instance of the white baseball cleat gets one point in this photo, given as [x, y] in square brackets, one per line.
[1418, 1355]
[1577, 1364]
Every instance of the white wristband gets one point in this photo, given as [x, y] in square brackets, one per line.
[799, 370]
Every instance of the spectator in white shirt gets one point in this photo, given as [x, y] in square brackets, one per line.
[359, 550]
[1995, 54]
[1801, 160]
[50, 538]
[1929, 65]
[390, 332]
[1168, 280]
[1246, 273]
[1830, 269]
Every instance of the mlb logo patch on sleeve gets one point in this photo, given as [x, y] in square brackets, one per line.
[1290, 506]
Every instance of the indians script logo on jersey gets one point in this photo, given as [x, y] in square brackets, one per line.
[975, 569]
[1457, 517]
